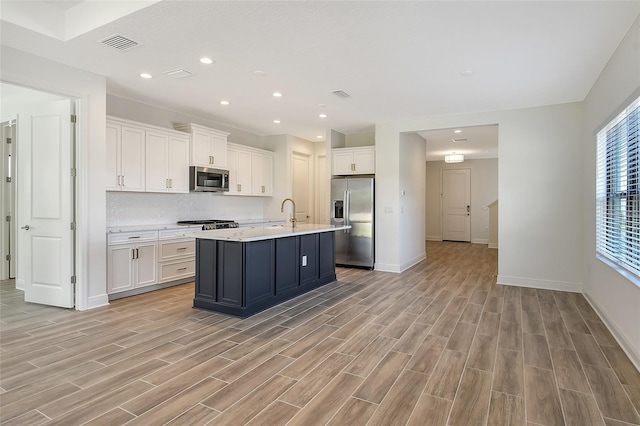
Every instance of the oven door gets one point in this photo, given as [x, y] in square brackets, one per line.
[203, 179]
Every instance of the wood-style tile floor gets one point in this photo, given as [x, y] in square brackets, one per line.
[439, 344]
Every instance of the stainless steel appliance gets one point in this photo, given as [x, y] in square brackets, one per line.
[204, 179]
[352, 203]
[209, 224]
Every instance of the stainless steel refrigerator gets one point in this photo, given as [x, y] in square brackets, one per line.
[352, 203]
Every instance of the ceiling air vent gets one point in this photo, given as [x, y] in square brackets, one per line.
[119, 42]
[178, 73]
[459, 140]
[341, 93]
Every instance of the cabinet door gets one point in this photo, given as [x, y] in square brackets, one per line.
[219, 151]
[157, 160]
[365, 161]
[261, 174]
[113, 156]
[178, 164]
[343, 163]
[133, 159]
[287, 250]
[146, 264]
[232, 166]
[119, 268]
[201, 149]
[244, 173]
[259, 272]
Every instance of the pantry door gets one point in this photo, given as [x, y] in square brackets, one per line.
[45, 203]
[456, 205]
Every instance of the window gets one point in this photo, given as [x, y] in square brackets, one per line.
[618, 190]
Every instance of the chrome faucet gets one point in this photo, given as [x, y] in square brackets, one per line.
[293, 219]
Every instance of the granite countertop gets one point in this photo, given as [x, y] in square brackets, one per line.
[257, 234]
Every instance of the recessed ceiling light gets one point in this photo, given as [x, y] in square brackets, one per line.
[322, 115]
[145, 75]
[466, 73]
[276, 121]
[457, 131]
[319, 136]
[260, 73]
[277, 94]
[224, 102]
[206, 60]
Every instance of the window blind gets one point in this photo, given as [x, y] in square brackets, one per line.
[618, 190]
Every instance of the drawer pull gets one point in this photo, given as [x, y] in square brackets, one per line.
[181, 269]
[181, 248]
[131, 238]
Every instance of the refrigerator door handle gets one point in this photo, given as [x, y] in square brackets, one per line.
[347, 208]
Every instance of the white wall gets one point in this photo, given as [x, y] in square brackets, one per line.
[412, 199]
[39, 73]
[484, 191]
[539, 189]
[360, 139]
[616, 298]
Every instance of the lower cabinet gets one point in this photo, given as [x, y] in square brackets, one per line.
[131, 266]
[244, 278]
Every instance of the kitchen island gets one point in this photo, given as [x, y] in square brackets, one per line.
[243, 271]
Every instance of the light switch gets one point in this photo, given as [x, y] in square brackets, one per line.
[304, 260]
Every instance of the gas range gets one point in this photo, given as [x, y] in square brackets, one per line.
[208, 224]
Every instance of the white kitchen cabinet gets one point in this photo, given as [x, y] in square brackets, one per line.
[354, 161]
[208, 146]
[167, 162]
[177, 259]
[125, 157]
[131, 265]
[250, 171]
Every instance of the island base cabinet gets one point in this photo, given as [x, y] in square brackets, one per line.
[243, 278]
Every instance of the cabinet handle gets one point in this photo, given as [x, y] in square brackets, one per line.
[263, 189]
[181, 248]
[239, 187]
[166, 183]
[181, 269]
[133, 254]
[353, 167]
[137, 254]
[170, 183]
[213, 159]
[119, 184]
[123, 181]
[133, 238]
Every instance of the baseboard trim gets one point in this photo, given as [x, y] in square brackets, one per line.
[433, 238]
[493, 245]
[617, 334]
[479, 241]
[387, 267]
[97, 301]
[541, 284]
[148, 288]
[419, 258]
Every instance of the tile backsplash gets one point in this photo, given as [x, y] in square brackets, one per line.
[133, 208]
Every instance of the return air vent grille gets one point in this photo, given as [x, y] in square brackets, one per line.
[119, 42]
[459, 140]
[341, 93]
[178, 73]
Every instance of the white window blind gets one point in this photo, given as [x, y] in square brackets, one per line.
[618, 190]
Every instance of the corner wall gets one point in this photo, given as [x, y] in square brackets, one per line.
[412, 199]
[616, 298]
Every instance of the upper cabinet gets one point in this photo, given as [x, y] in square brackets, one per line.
[145, 158]
[354, 161]
[208, 146]
[250, 171]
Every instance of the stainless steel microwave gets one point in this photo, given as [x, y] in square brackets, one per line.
[204, 179]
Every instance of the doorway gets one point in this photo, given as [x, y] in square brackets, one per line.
[456, 205]
[43, 169]
[8, 201]
[301, 172]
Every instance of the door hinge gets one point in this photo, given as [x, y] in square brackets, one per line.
[9, 140]
[74, 172]
[8, 257]
[73, 118]
[73, 226]
[8, 218]
[8, 180]
[73, 279]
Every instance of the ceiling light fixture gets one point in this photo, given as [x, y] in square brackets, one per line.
[146, 75]
[454, 158]
[319, 136]
[277, 94]
[457, 131]
[206, 60]
[466, 73]
[276, 121]
[224, 102]
[260, 73]
[322, 115]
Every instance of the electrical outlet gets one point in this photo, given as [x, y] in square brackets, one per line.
[304, 260]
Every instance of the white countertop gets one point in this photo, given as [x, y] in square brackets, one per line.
[135, 228]
[257, 234]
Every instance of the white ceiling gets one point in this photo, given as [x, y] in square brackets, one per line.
[397, 60]
[481, 142]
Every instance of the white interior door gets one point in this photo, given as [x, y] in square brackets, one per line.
[456, 205]
[301, 181]
[45, 243]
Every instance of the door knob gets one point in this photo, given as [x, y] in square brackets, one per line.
[26, 227]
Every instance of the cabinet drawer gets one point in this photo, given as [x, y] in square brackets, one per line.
[131, 237]
[176, 270]
[166, 234]
[176, 249]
